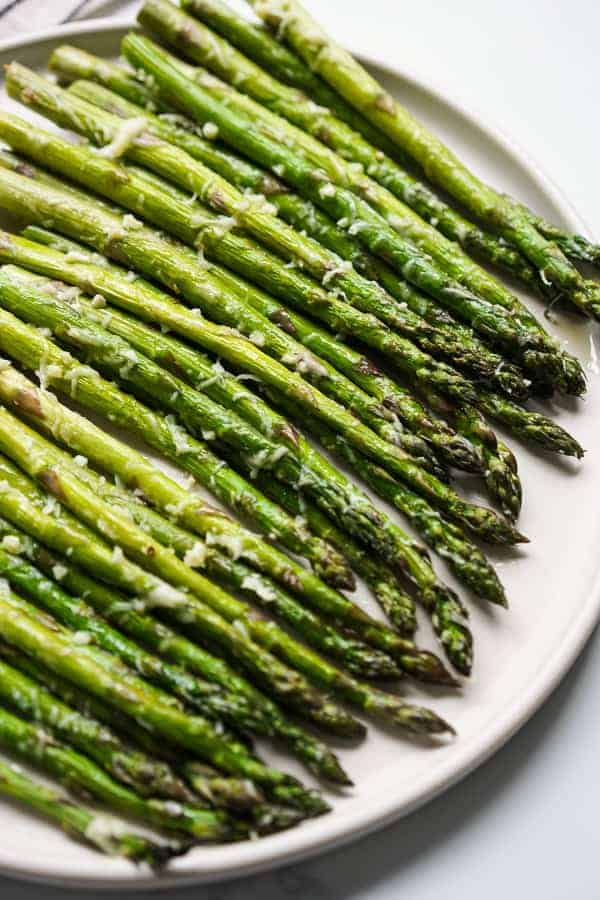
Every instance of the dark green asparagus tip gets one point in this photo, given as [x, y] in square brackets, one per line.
[575, 378]
[334, 570]
[269, 819]
[344, 727]
[461, 454]
[547, 367]
[422, 722]
[372, 663]
[309, 803]
[499, 530]
[427, 667]
[513, 384]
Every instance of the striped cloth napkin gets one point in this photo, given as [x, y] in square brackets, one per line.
[20, 16]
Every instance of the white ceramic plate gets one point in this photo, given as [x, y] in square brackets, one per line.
[553, 585]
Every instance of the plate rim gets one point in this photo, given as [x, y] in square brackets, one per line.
[478, 750]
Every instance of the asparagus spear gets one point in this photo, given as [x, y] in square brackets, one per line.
[527, 425]
[132, 755]
[60, 420]
[475, 357]
[290, 687]
[484, 521]
[358, 306]
[108, 834]
[114, 606]
[443, 167]
[32, 743]
[34, 350]
[237, 711]
[193, 733]
[385, 706]
[146, 775]
[115, 457]
[90, 552]
[453, 283]
[419, 663]
[576, 247]
[155, 307]
[204, 418]
[45, 316]
[383, 581]
[73, 63]
[25, 396]
[77, 615]
[312, 115]
[236, 311]
[447, 613]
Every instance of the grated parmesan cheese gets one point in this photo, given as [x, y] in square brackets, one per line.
[126, 134]
[196, 556]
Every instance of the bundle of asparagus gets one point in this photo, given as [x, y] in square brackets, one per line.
[263, 200]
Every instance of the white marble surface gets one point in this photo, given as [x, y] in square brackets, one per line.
[526, 822]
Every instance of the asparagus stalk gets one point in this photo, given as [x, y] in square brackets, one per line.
[71, 63]
[144, 774]
[61, 420]
[231, 708]
[527, 425]
[383, 581]
[365, 309]
[91, 553]
[475, 357]
[388, 708]
[418, 663]
[487, 523]
[403, 238]
[193, 733]
[312, 115]
[114, 606]
[576, 247]
[32, 743]
[110, 835]
[155, 307]
[85, 438]
[443, 167]
[295, 354]
[82, 720]
[204, 418]
[76, 615]
[448, 614]
[105, 517]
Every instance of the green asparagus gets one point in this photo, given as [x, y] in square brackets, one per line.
[32, 743]
[355, 305]
[107, 834]
[402, 239]
[486, 523]
[441, 165]
[60, 420]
